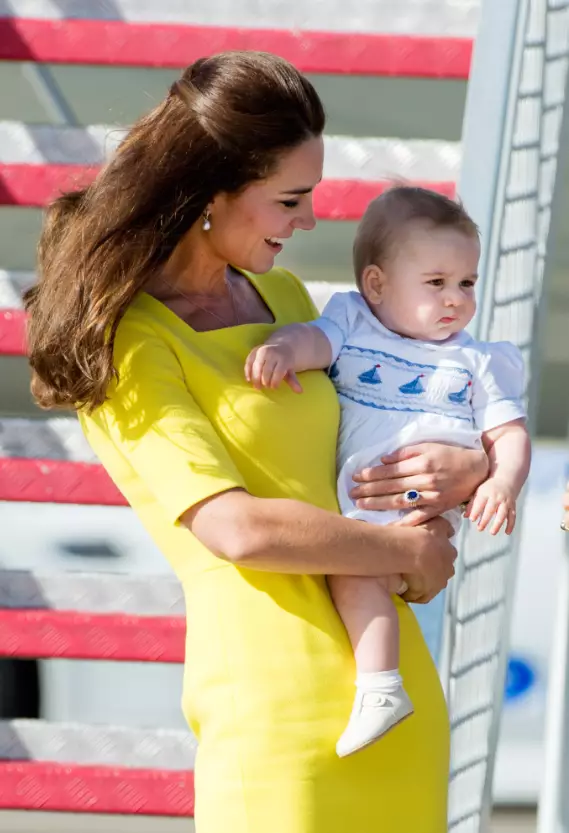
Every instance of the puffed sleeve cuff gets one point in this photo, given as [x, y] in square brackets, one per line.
[335, 321]
[498, 395]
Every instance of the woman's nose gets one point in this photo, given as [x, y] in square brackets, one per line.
[306, 219]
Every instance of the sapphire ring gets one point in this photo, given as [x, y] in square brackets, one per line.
[412, 497]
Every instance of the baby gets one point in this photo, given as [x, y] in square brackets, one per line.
[406, 372]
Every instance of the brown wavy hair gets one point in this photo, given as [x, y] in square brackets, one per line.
[223, 125]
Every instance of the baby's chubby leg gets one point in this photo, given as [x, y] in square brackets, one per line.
[370, 618]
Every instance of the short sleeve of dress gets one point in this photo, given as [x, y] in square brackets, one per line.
[336, 321]
[498, 388]
[157, 427]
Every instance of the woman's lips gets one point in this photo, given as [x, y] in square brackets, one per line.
[275, 243]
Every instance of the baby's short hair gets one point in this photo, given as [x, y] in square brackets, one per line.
[388, 215]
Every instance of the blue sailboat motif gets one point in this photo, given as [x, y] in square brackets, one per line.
[459, 396]
[415, 386]
[334, 372]
[371, 377]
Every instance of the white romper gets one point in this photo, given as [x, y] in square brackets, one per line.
[396, 391]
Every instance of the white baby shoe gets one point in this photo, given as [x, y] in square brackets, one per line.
[374, 713]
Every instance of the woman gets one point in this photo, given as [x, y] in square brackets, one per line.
[156, 282]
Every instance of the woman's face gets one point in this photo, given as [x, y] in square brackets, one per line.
[250, 229]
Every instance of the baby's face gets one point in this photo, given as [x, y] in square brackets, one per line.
[427, 289]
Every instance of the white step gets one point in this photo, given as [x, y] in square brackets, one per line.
[457, 18]
[345, 157]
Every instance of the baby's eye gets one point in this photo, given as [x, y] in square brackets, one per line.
[436, 282]
[468, 283]
[290, 203]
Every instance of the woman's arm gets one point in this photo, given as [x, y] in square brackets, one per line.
[174, 449]
[290, 536]
[445, 475]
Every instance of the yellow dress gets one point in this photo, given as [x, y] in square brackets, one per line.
[269, 676]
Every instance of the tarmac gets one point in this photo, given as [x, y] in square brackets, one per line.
[503, 821]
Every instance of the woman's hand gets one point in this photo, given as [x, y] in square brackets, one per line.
[433, 557]
[445, 476]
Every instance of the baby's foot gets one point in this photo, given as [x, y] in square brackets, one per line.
[374, 713]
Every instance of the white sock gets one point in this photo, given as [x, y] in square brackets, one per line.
[385, 681]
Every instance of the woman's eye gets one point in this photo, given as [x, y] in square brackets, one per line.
[290, 203]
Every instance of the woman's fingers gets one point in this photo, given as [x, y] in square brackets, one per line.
[380, 502]
[418, 598]
[395, 585]
[434, 561]
[423, 483]
[405, 453]
[390, 471]
[416, 517]
[447, 473]
[412, 597]
[442, 526]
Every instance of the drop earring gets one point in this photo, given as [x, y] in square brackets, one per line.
[206, 220]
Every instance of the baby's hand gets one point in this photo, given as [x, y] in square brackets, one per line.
[270, 364]
[493, 499]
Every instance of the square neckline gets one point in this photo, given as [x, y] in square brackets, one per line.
[147, 297]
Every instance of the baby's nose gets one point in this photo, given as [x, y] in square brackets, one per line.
[452, 298]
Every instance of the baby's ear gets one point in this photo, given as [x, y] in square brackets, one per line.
[372, 284]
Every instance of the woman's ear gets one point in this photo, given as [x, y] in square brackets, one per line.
[373, 283]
